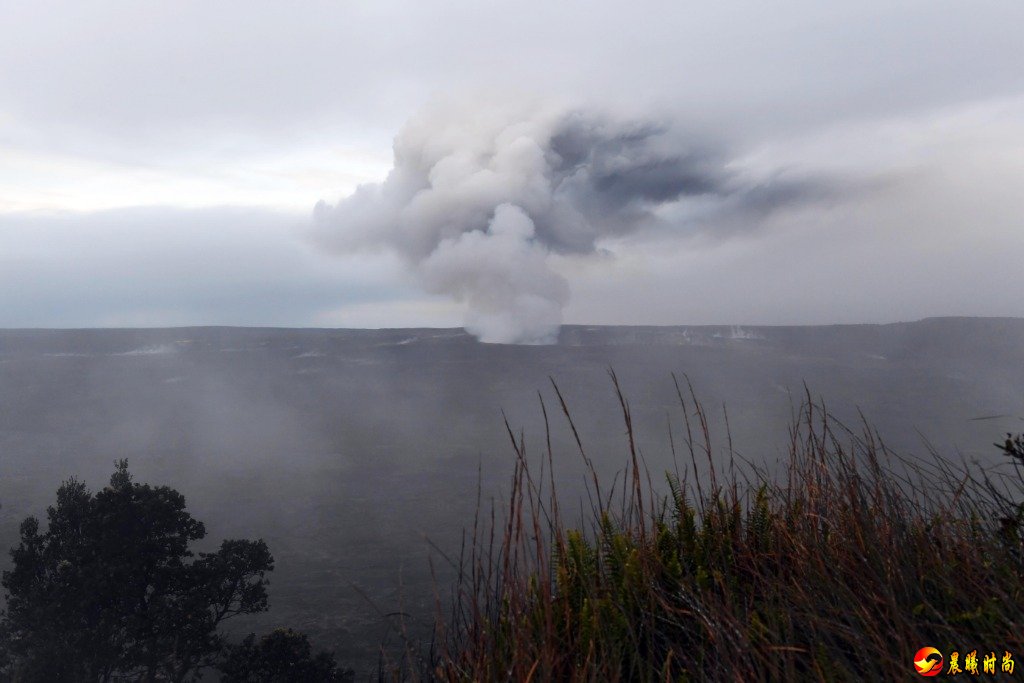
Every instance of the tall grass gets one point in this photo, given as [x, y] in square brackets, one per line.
[838, 567]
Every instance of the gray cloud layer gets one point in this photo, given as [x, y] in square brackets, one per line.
[159, 266]
[740, 200]
[145, 73]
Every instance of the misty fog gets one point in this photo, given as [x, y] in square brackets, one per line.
[356, 454]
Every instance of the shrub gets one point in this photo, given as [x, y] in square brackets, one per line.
[111, 590]
[281, 656]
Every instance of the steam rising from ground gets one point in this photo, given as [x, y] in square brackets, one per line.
[478, 201]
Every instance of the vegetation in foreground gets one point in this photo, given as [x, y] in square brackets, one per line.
[110, 591]
[839, 568]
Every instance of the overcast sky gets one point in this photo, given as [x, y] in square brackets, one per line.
[821, 162]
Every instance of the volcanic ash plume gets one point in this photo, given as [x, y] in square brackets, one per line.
[478, 200]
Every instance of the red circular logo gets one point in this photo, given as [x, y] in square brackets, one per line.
[928, 661]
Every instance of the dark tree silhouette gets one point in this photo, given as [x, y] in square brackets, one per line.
[281, 656]
[111, 591]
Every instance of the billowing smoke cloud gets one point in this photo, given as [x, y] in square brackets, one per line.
[477, 201]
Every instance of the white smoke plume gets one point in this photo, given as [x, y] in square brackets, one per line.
[478, 200]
